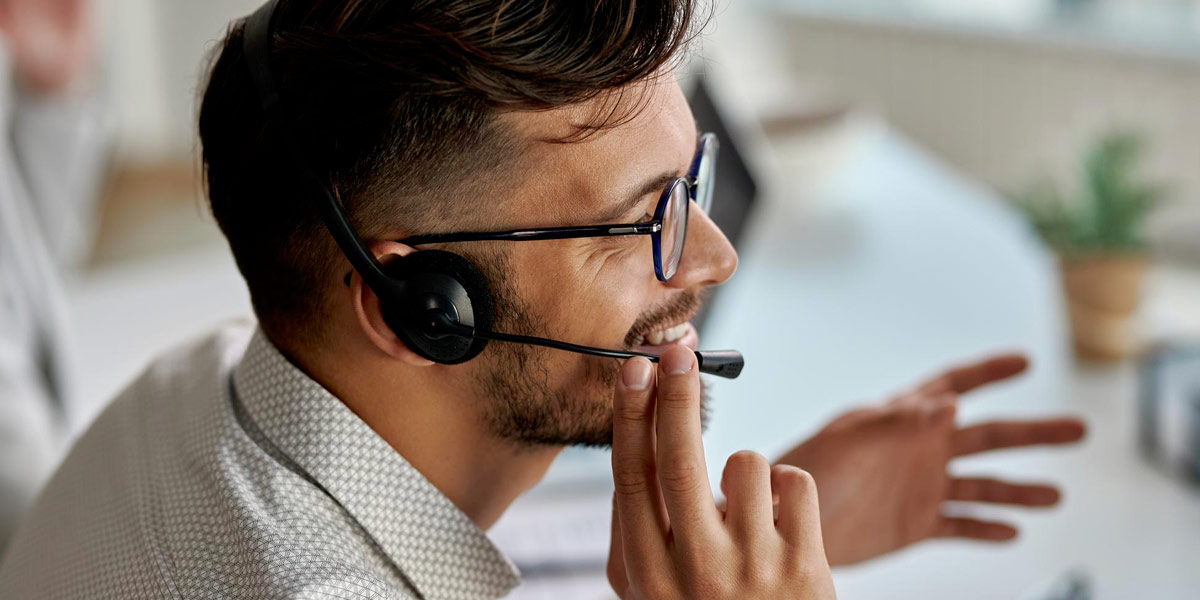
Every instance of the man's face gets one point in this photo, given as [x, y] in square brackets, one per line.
[595, 291]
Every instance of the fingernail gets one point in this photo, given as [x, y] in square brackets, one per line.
[635, 374]
[678, 362]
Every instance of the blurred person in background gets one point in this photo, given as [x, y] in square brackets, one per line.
[53, 148]
[318, 455]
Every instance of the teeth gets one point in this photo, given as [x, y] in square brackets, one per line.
[666, 336]
[675, 332]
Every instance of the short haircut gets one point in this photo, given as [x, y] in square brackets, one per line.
[394, 104]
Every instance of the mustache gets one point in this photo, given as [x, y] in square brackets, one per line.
[680, 308]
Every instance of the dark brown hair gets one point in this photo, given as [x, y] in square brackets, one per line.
[393, 102]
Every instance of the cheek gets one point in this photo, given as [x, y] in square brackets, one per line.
[587, 295]
[619, 286]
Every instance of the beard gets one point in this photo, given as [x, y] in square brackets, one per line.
[519, 402]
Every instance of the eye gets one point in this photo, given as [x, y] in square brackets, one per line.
[649, 215]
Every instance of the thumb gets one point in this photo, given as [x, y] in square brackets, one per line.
[616, 556]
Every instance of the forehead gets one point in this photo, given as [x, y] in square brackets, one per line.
[565, 182]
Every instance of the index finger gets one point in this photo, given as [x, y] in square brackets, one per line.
[682, 474]
[638, 499]
[963, 379]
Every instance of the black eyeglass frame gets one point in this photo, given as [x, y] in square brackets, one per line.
[706, 147]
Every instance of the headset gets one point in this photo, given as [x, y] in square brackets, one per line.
[436, 302]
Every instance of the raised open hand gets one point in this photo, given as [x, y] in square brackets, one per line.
[882, 472]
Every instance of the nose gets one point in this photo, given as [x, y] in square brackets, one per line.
[708, 257]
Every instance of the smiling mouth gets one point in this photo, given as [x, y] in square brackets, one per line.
[674, 330]
[669, 325]
[657, 341]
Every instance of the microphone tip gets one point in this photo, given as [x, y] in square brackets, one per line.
[722, 363]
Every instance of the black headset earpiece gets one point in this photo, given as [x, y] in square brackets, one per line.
[436, 291]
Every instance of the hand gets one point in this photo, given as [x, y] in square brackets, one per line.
[882, 472]
[50, 42]
[669, 540]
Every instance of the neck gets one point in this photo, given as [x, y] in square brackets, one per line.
[437, 429]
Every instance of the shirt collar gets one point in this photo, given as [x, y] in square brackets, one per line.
[437, 547]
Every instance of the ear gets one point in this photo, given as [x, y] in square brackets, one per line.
[369, 313]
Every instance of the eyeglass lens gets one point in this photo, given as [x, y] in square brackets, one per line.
[675, 217]
[705, 172]
[674, 228]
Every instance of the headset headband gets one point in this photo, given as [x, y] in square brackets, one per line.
[256, 44]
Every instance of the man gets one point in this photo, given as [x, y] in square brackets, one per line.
[325, 457]
[52, 152]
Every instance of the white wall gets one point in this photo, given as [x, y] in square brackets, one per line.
[1000, 109]
[1004, 109]
[157, 50]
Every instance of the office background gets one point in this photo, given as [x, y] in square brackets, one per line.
[884, 137]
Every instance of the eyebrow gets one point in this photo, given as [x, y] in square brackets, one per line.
[651, 186]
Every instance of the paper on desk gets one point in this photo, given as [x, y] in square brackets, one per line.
[559, 541]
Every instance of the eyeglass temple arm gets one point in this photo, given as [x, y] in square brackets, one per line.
[523, 235]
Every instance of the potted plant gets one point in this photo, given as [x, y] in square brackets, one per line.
[1100, 239]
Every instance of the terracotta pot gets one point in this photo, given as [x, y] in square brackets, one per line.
[1103, 293]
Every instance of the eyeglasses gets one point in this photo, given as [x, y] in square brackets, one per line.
[667, 230]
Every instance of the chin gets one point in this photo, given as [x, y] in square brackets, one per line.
[598, 434]
[525, 408]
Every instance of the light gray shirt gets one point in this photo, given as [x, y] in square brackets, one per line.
[226, 472]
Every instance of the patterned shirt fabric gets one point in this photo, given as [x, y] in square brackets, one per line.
[226, 472]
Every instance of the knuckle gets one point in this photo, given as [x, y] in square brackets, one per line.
[759, 574]
[705, 579]
[630, 476]
[792, 478]
[630, 487]
[804, 481]
[911, 417]
[747, 461]
[804, 568]
[717, 587]
[679, 474]
[696, 557]
[677, 397]
[659, 587]
[631, 412]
